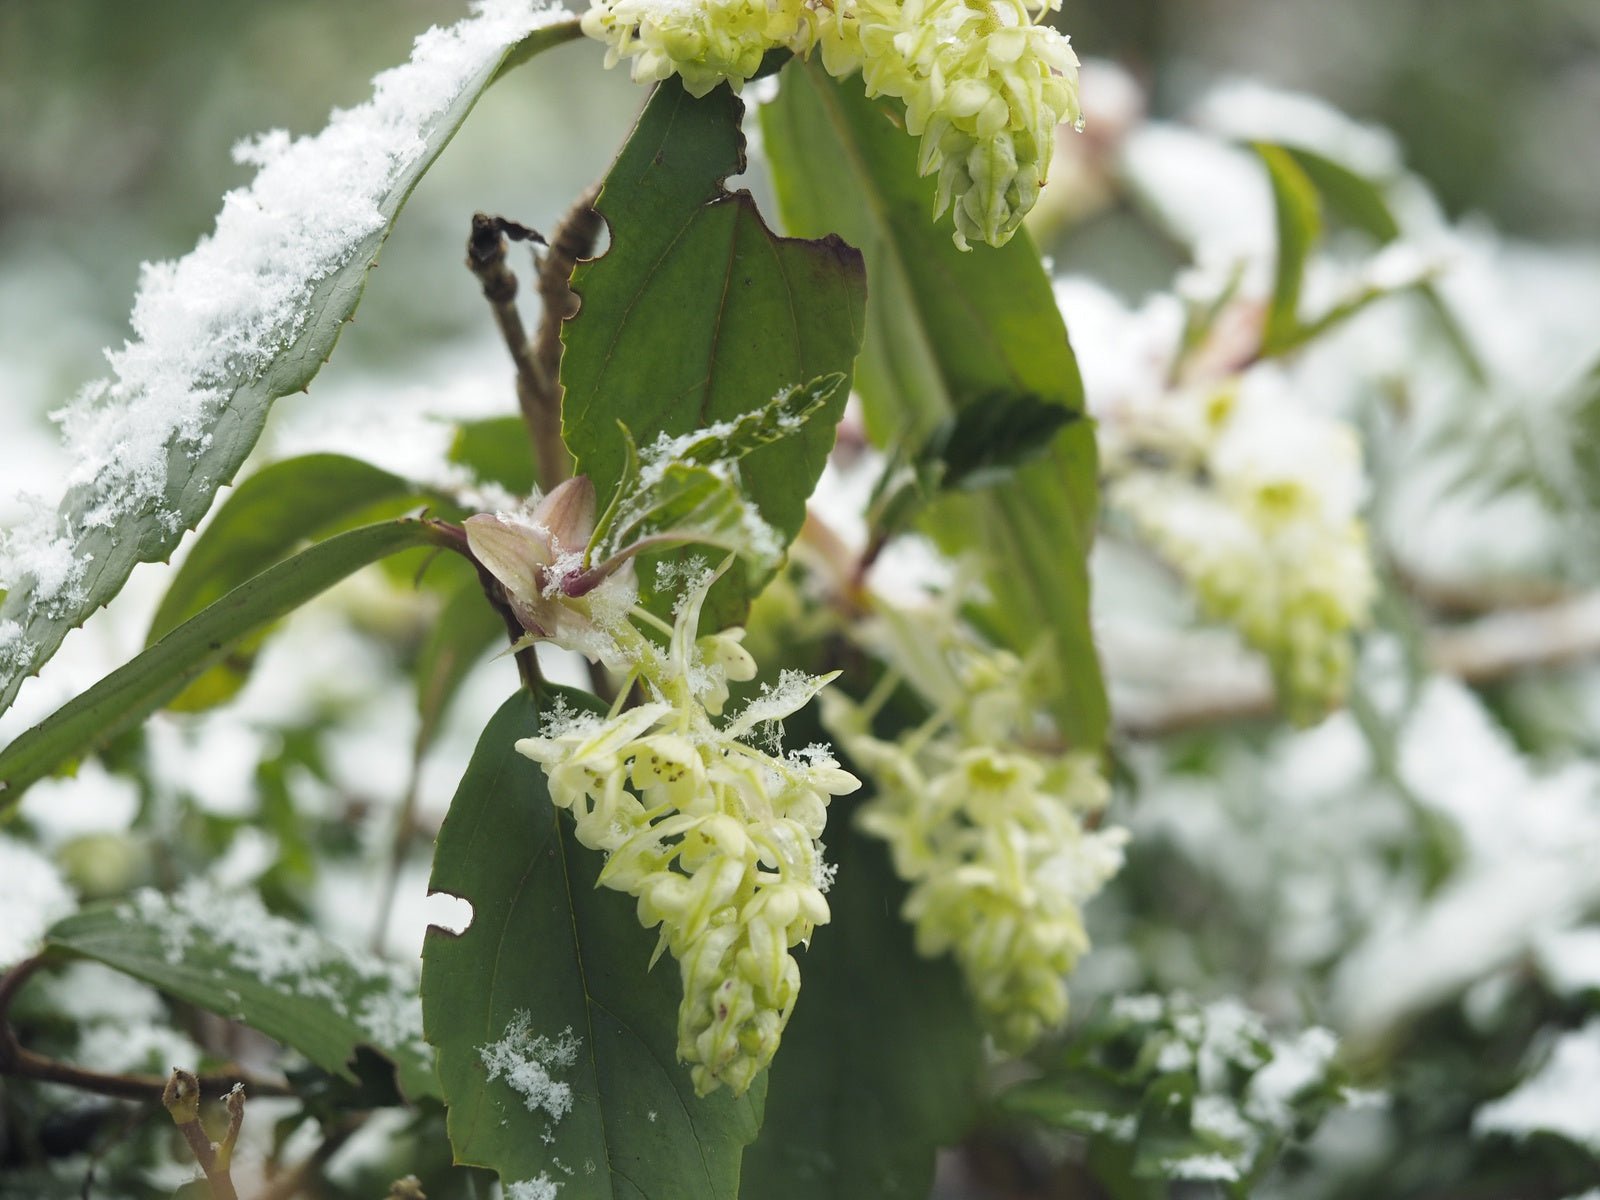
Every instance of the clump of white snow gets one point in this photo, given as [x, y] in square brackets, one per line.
[542, 1188]
[527, 1063]
[33, 896]
[1559, 1098]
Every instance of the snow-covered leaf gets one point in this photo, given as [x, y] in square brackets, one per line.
[557, 1047]
[698, 313]
[133, 691]
[1166, 1088]
[248, 316]
[226, 953]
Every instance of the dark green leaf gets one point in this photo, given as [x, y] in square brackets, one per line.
[697, 314]
[551, 954]
[987, 440]
[194, 476]
[879, 1065]
[268, 517]
[1299, 222]
[945, 329]
[228, 955]
[132, 692]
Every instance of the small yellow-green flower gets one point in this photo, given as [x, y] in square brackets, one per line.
[984, 84]
[992, 838]
[717, 839]
[1255, 501]
[984, 87]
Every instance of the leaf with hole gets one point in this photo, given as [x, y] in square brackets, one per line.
[556, 1041]
[699, 314]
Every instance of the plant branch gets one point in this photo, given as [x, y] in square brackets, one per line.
[486, 259]
[1486, 650]
[574, 240]
[181, 1099]
[18, 1062]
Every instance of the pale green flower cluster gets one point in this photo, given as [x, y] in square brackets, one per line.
[993, 838]
[984, 84]
[1255, 501]
[717, 838]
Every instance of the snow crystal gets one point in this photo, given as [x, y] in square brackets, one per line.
[542, 1188]
[223, 311]
[1558, 1099]
[32, 896]
[14, 648]
[525, 1062]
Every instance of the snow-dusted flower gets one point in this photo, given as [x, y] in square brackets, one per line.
[984, 84]
[703, 41]
[985, 87]
[538, 559]
[1255, 500]
[717, 838]
[992, 838]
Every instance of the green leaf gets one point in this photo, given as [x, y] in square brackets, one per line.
[267, 518]
[698, 313]
[880, 1063]
[132, 692]
[946, 329]
[1352, 196]
[203, 459]
[228, 955]
[687, 488]
[496, 450]
[1298, 214]
[548, 954]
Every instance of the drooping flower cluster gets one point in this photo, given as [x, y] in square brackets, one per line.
[716, 837]
[1255, 500]
[991, 835]
[984, 87]
[984, 84]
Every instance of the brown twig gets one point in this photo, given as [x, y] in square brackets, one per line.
[573, 242]
[486, 259]
[181, 1098]
[19, 1062]
[1486, 650]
